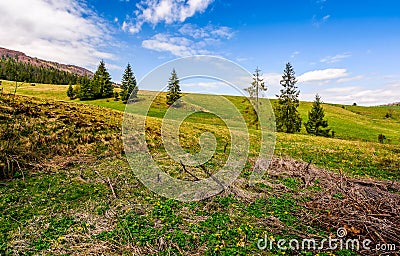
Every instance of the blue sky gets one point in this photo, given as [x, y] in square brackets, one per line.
[347, 51]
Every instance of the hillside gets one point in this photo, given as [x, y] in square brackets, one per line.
[73, 191]
[22, 57]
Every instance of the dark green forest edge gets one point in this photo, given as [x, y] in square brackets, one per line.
[66, 188]
[13, 70]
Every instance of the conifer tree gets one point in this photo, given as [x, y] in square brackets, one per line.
[101, 82]
[86, 90]
[128, 85]
[254, 90]
[174, 90]
[287, 116]
[70, 92]
[316, 124]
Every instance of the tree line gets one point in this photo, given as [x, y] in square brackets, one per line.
[100, 86]
[12, 69]
[287, 116]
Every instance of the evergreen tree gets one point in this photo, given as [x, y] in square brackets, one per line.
[316, 124]
[287, 116]
[101, 83]
[77, 91]
[70, 92]
[256, 87]
[174, 90]
[86, 90]
[13, 69]
[128, 85]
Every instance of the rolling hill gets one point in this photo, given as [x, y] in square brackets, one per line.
[73, 191]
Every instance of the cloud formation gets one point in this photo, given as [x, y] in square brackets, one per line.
[166, 11]
[323, 75]
[176, 45]
[63, 31]
[336, 58]
[189, 40]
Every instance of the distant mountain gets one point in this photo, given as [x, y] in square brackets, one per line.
[22, 57]
[392, 104]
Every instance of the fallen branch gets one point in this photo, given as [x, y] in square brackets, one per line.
[191, 174]
[107, 181]
[212, 177]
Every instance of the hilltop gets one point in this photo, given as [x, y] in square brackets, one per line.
[22, 57]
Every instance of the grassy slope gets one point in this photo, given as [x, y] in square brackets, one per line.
[354, 150]
[70, 208]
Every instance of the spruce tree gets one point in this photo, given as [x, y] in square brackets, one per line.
[128, 85]
[286, 114]
[101, 82]
[316, 124]
[70, 92]
[174, 90]
[86, 90]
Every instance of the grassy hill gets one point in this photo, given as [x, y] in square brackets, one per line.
[75, 194]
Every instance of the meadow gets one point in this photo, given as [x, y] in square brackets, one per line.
[77, 194]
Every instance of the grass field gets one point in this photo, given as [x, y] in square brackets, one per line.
[77, 194]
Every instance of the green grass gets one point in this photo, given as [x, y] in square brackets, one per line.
[65, 205]
[349, 123]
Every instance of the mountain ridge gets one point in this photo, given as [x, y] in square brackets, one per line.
[22, 57]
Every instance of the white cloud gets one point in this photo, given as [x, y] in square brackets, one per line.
[360, 95]
[189, 40]
[208, 31]
[318, 21]
[326, 17]
[294, 54]
[166, 11]
[350, 79]
[178, 46]
[63, 31]
[323, 75]
[336, 58]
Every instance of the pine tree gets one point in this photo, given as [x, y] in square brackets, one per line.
[174, 90]
[316, 124]
[287, 116]
[129, 88]
[256, 87]
[86, 90]
[101, 82]
[70, 92]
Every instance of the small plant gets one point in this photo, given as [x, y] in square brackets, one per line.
[381, 138]
[354, 104]
[389, 114]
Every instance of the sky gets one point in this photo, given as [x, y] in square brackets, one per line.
[346, 51]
